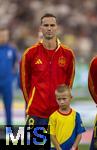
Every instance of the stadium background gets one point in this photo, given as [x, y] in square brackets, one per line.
[78, 29]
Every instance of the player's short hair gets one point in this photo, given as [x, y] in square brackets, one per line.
[62, 88]
[47, 15]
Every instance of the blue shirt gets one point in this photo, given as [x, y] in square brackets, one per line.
[8, 59]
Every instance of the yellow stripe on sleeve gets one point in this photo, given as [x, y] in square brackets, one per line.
[31, 99]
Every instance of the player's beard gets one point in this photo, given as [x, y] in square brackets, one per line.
[49, 37]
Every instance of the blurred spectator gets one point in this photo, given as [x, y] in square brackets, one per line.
[8, 61]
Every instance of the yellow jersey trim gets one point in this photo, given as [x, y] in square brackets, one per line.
[23, 71]
[31, 99]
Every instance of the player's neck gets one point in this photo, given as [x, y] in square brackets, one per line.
[50, 44]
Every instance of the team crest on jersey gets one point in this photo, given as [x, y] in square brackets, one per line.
[61, 61]
[38, 61]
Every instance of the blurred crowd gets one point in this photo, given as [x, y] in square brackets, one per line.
[77, 20]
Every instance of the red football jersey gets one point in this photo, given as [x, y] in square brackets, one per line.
[41, 74]
[92, 79]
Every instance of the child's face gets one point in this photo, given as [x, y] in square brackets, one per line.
[63, 99]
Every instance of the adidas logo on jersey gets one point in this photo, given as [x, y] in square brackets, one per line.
[38, 61]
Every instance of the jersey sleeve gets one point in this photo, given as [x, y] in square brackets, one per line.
[52, 124]
[79, 124]
[71, 69]
[25, 76]
[71, 72]
[92, 79]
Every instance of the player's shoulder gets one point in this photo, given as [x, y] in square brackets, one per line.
[93, 63]
[67, 49]
[31, 49]
[54, 114]
[75, 112]
[94, 60]
[10, 46]
[78, 116]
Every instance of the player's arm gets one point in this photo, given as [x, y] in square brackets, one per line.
[92, 79]
[25, 78]
[55, 142]
[71, 71]
[15, 61]
[79, 130]
[52, 123]
[77, 141]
